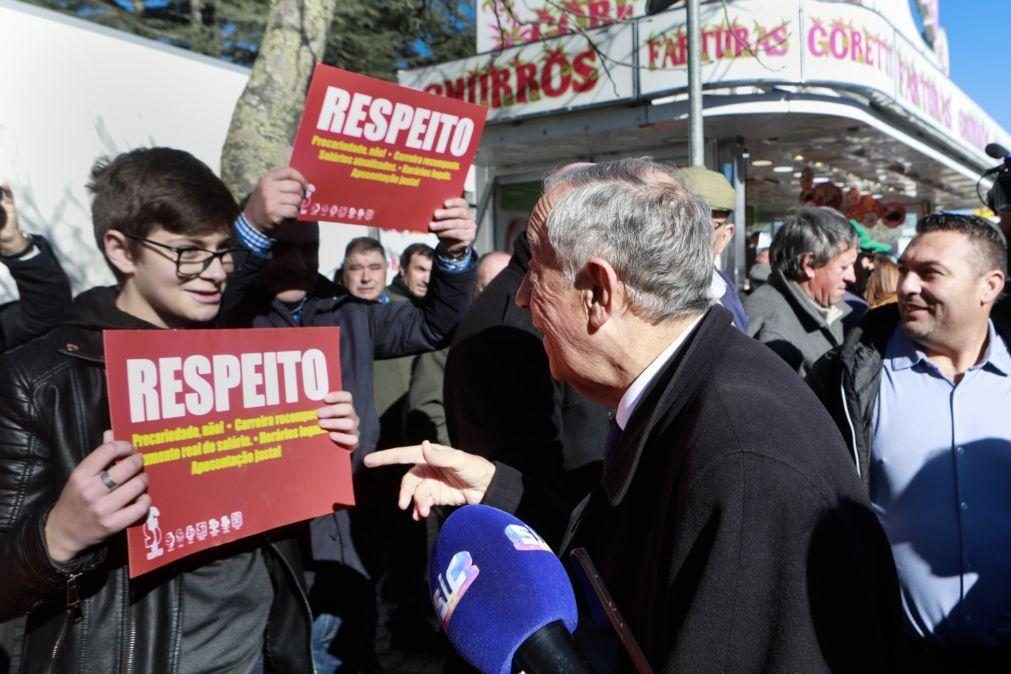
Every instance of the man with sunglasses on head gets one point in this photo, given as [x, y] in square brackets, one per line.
[68, 488]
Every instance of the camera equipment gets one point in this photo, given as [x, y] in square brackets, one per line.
[998, 199]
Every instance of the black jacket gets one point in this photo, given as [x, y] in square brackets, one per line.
[44, 290]
[369, 330]
[53, 411]
[847, 380]
[501, 401]
[729, 526]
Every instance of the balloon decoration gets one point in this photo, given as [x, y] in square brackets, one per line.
[863, 208]
[828, 194]
[894, 214]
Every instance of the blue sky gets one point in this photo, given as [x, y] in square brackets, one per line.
[978, 39]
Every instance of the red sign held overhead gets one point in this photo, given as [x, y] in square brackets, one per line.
[226, 421]
[379, 154]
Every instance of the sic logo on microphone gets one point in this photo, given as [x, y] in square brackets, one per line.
[524, 538]
[453, 584]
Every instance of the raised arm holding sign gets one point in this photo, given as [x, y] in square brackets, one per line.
[280, 285]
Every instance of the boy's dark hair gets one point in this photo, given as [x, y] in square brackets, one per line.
[422, 249]
[363, 244]
[991, 246]
[159, 186]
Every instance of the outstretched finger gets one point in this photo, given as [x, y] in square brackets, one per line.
[441, 456]
[396, 456]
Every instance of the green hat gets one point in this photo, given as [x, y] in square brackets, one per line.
[867, 243]
[711, 186]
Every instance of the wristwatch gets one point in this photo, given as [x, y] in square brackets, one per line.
[442, 252]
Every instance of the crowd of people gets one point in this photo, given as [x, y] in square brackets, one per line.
[808, 476]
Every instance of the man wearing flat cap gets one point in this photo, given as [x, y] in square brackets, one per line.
[717, 191]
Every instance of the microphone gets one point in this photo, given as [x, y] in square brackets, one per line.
[997, 151]
[502, 595]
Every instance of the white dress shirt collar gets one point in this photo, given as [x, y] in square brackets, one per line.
[633, 395]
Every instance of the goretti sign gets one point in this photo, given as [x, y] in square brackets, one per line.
[792, 42]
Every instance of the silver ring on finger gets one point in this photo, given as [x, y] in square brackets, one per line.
[107, 480]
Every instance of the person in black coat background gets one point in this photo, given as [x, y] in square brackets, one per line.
[502, 402]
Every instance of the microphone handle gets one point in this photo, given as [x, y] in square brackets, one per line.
[550, 650]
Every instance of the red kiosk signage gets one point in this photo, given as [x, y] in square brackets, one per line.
[379, 154]
[226, 421]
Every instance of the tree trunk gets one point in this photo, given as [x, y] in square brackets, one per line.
[267, 114]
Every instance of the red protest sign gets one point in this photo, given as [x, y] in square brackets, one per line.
[379, 154]
[226, 421]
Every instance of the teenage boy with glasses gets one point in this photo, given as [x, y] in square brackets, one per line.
[68, 489]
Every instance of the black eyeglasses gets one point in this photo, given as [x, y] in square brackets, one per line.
[193, 261]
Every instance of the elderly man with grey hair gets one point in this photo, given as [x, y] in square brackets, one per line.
[798, 313]
[727, 543]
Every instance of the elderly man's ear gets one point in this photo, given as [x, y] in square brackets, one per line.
[602, 293]
[723, 236]
[807, 264]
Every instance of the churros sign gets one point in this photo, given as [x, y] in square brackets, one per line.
[226, 421]
[379, 154]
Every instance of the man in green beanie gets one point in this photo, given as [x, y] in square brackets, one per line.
[854, 296]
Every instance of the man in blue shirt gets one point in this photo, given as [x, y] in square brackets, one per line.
[921, 391]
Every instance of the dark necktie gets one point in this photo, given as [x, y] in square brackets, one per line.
[613, 437]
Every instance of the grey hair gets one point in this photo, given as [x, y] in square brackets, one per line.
[820, 232]
[656, 233]
[633, 170]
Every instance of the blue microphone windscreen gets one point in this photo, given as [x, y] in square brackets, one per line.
[494, 582]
